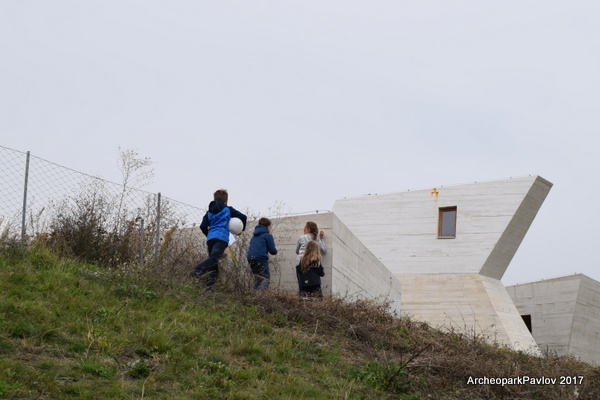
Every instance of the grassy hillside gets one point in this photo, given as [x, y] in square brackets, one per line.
[75, 331]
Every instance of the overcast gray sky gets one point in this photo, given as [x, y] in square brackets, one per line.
[307, 102]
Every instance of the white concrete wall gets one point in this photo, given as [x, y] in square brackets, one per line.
[351, 270]
[512, 236]
[286, 232]
[472, 304]
[357, 273]
[565, 314]
[401, 228]
[585, 334]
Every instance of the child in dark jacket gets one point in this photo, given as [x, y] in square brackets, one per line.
[310, 271]
[215, 225]
[261, 245]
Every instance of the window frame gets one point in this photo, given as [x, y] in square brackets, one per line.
[441, 212]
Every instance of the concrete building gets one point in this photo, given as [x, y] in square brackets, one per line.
[563, 315]
[446, 247]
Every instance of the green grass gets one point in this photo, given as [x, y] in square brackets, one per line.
[74, 331]
[69, 330]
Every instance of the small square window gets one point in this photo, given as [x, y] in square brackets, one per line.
[447, 222]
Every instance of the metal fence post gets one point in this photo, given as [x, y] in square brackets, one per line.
[141, 247]
[157, 239]
[24, 215]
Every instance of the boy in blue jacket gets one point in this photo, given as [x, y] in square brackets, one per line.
[215, 226]
[261, 245]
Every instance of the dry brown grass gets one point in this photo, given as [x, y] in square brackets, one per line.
[438, 363]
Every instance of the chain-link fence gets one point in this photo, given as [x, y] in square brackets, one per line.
[39, 198]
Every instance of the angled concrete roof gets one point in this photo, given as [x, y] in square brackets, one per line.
[492, 219]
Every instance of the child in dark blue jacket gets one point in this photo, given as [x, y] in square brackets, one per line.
[215, 225]
[261, 245]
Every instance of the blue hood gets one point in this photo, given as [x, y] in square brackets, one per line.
[261, 244]
[216, 206]
[260, 229]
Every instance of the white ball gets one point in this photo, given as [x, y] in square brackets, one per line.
[236, 226]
